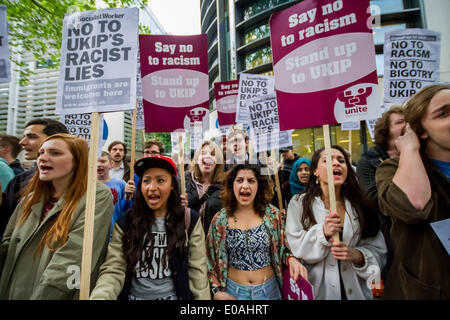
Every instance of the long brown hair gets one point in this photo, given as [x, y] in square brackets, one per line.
[263, 195]
[416, 107]
[351, 191]
[139, 221]
[58, 232]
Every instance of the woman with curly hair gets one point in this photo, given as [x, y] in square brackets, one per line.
[246, 244]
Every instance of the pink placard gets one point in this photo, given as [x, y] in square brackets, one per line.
[226, 94]
[324, 63]
[174, 73]
[296, 290]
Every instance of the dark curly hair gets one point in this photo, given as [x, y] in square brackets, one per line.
[351, 191]
[139, 220]
[263, 196]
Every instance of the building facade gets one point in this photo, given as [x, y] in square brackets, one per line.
[239, 41]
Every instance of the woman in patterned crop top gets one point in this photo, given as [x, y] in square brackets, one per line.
[246, 244]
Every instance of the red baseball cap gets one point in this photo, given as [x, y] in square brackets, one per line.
[154, 162]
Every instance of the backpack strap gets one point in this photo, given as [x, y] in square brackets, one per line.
[187, 219]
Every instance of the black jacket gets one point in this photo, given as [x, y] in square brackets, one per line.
[365, 170]
[11, 196]
[212, 198]
[17, 167]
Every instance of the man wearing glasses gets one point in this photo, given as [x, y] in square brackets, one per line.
[153, 147]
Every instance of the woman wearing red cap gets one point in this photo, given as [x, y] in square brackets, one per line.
[157, 249]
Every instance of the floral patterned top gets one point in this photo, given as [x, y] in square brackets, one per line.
[216, 246]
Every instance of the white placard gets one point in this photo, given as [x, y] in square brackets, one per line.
[250, 86]
[411, 62]
[140, 123]
[174, 136]
[98, 61]
[350, 125]
[5, 65]
[80, 125]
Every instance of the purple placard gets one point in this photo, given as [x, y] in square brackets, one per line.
[324, 63]
[174, 73]
[226, 94]
[296, 290]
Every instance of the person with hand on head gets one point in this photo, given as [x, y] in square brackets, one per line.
[414, 191]
[246, 243]
[337, 269]
[387, 129]
[204, 182]
[36, 131]
[157, 251]
[43, 241]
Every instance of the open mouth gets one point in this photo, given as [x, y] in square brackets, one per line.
[153, 198]
[45, 169]
[337, 173]
[245, 195]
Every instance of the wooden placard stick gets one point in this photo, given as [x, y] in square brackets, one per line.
[88, 235]
[181, 156]
[350, 142]
[277, 179]
[331, 191]
[143, 136]
[133, 144]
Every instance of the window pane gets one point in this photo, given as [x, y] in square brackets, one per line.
[255, 7]
[257, 33]
[387, 6]
[378, 33]
[379, 58]
[258, 58]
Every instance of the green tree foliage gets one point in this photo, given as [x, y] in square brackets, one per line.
[164, 137]
[36, 26]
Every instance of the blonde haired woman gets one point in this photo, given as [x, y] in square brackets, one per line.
[41, 248]
[204, 182]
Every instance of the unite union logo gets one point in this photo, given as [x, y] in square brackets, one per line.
[356, 102]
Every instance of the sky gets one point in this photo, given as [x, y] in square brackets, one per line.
[178, 17]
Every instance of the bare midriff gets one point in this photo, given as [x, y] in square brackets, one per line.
[250, 277]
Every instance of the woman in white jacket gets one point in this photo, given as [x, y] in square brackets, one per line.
[336, 269]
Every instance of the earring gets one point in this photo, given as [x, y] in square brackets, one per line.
[317, 180]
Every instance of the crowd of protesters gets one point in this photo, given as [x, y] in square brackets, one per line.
[226, 237]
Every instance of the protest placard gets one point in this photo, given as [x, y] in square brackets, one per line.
[80, 125]
[174, 137]
[264, 124]
[324, 63]
[174, 72]
[140, 123]
[250, 86]
[226, 94]
[98, 62]
[296, 290]
[350, 125]
[5, 65]
[411, 62]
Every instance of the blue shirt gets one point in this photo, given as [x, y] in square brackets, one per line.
[444, 166]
